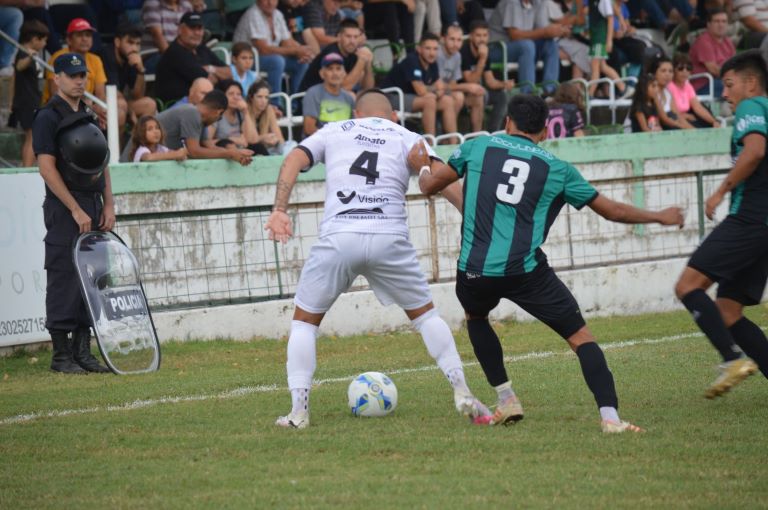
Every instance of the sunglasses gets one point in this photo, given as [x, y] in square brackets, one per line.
[687, 67]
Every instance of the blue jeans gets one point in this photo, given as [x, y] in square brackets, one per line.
[656, 15]
[525, 52]
[11, 19]
[276, 65]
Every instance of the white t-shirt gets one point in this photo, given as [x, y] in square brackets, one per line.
[143, 149]
[366, 174]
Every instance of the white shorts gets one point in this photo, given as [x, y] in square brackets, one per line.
[387, 261]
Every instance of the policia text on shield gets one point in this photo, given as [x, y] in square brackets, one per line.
[72, 156]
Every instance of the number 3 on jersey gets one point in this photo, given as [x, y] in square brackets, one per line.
[365, 165]
[511, 192]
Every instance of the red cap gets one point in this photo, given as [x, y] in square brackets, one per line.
[79, 25]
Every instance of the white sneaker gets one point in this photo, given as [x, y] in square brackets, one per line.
[471, 407]
[614, 427]
[293, 421]
[629, 91]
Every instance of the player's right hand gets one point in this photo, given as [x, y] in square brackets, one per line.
[278, 226]
[672, 216]
[418, 156]
[82, 219]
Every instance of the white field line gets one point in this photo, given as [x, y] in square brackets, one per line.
[248, 390]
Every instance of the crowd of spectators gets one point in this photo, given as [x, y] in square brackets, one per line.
[178, 98]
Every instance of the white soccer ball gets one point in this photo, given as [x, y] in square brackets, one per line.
[372, 394]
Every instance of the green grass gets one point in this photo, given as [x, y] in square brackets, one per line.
[225, 452]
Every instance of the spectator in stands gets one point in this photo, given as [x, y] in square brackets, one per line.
[449, 65]
[601, 44]
[628, 46]
[161, 20]
[468, 11]
[294, 12]
[322, 18]
[352, 9]
[753, 14]
[476, 68]
[265, 119]
[147, 140]
[327, 101]
[419, 78]
[64, 11]
[669, 117]
[80, 40]
[358, 60]
[684, 97]
[125, 69]
[235, 124]
[264, 27]
[242, 64]
[11, 20]
[566, 112]
[197, 91]
[390, 19]
[573, 13]
[26, 90]
[428, 10]
[186, 59]
[662, 15]
[185, 127]
[524, 26]
[644, 114]
[710, 51]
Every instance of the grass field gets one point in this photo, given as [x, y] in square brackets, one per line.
[199, 433]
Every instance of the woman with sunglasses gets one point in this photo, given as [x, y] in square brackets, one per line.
[661, 68]
[684, 96]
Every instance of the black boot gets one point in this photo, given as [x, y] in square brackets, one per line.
[81, 351]
[62, 360]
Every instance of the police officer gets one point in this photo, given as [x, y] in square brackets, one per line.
[72, 157]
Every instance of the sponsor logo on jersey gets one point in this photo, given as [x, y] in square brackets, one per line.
[345, 199]
[375, 199]
[370, 142]
[525, 148]
[456, 153]
[750, 120]
[348, 125]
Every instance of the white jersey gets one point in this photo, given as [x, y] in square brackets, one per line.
[366, 173]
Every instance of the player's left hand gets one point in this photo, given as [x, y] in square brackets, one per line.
[711, 204]
[107, 220]
[672, 216]
[418, 156]
[279, 226]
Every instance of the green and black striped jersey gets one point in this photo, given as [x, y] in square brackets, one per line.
[513, 191]
[749, 200]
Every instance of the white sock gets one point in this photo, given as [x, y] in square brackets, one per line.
[439, 340]
[609, 414]
[301, 363]
[504, 391]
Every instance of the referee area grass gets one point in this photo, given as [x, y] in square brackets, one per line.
[199, 433]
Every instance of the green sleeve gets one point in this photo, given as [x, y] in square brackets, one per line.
[578, 191]
[750, 118]
[460, 157]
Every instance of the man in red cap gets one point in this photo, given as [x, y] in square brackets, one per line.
[80, 40]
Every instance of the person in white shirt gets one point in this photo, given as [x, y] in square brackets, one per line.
[363, 232]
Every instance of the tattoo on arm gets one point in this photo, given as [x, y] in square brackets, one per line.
[283, 191]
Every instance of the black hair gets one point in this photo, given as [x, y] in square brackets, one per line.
[641, 91]
[429, 36]
[478, 23]
[711, 13]
[223, 143]
[240, 47]
[748, 62]
[528, 112]
[655, 63]
[348, 23]
[449, 26]
[215, 100]
[127, 30]
[224, 85]
[33, 28]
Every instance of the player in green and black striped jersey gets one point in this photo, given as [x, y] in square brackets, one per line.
[735, 254]
[513, 191]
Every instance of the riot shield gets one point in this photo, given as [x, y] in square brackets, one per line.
[109, 279]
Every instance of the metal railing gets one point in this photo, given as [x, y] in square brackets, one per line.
[113, 134]
[204, 258]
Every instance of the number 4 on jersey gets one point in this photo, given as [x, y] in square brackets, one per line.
[365, 165]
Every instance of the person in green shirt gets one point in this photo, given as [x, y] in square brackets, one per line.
[513, 191]
[735, 253]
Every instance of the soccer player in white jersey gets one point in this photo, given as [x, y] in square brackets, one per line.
[363, 232]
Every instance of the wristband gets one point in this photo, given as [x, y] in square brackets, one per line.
[425, 170]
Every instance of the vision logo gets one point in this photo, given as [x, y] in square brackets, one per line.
[344, 199]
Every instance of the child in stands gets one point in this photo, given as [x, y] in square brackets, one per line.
[26, 89]
[148, 137]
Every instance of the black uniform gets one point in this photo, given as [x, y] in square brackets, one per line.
[65, 308]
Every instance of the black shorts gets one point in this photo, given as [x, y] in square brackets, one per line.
[540, 293]
[735, 255]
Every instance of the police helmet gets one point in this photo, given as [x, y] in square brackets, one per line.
[84, 153]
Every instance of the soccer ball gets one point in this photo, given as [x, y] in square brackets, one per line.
[372, 394]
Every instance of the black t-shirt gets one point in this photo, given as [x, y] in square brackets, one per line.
[469, 61]
[651, 117]
[26, 91]
[312, 76]
[409, 70]
[564, 120]
[179, 67]
[294, 18]
[46, 121]
[122, 75]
